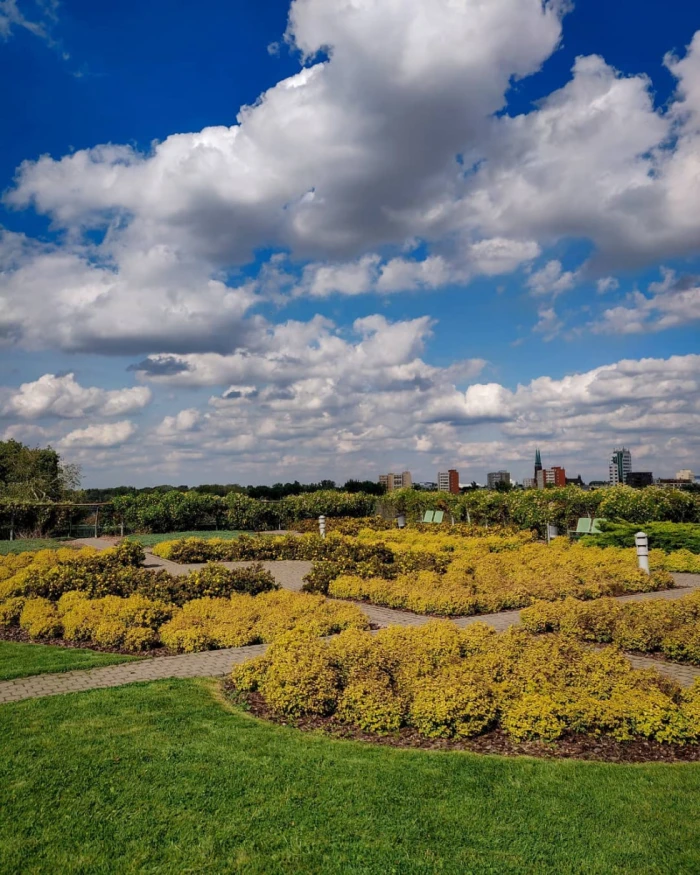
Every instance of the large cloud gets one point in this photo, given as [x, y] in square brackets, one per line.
[390, 141]
[347, 154]
[112, 434]
[64, 397]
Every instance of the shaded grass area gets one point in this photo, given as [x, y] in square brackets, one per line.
[24, 545]
[19, 660]
[164, 778]
[151, 540]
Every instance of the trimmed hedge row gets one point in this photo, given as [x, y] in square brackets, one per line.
[668, 627]
[105, 599]
[136, 623]
[447, 682]
[49, 574]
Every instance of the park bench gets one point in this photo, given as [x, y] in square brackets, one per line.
[587, 526]
[433, 516]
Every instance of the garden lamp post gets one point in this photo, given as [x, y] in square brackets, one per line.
[641, 542]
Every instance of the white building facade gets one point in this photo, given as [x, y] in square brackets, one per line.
[620, 466]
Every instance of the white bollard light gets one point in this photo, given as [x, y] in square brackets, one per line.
[641, 542]
[322, 526]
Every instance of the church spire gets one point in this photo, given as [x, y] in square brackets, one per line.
[538, 462]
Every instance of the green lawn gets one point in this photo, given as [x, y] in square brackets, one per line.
[162, 778]
[151, 540]
[23, 545]
[22, 660]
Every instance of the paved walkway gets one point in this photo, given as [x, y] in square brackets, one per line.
[289, 574]
[210, 663]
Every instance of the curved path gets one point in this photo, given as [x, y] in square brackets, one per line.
[289, 574]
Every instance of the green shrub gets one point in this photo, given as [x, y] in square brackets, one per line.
[662, 536]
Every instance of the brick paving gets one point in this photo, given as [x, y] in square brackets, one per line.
[289, 574]
[211, 663]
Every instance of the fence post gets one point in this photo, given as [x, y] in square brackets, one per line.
[12, 526]
[97, 516]
[322, 526]
[641, 542]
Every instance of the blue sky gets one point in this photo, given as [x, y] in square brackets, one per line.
[418, 248]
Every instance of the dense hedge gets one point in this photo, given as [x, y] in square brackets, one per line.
[669, 627]
[136, 623]
[535, 508]
[104, 599]
[184, 511]
[480, 580]
[50, 574]
[662, 536]
[528, 509]
[448, 682]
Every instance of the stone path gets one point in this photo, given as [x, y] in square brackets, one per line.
[289, 574]
[210, 663]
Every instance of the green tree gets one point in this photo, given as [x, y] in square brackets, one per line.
[35, 474]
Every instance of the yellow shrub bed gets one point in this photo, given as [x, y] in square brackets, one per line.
[668, 627]
[448, 682]
[204, 624]
[453, 540]
[480, 579]
[679, 560]
[136, 623]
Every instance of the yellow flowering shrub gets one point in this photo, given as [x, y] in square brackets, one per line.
[166, 613]
[455, 702]
[10, 611]
[39, 618]
[482, 579]
[679, 560]
[670, 627]
[448, 682]
[300, 678]
[209, 623]
[130, 623]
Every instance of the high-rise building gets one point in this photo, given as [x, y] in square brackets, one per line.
[554, 476]
[529, 483]
[620, 466]
[685, 474]
[448, 481]
[396, 481]
[497, 477]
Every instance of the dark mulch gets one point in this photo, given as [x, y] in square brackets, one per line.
[19, 636]
[579, 747]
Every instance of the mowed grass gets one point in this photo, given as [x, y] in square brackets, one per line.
[164, 778]
[24, 545]
[19, 660]
[152, 540]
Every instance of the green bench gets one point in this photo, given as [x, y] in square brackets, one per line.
[588, 526]
[433, 516]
